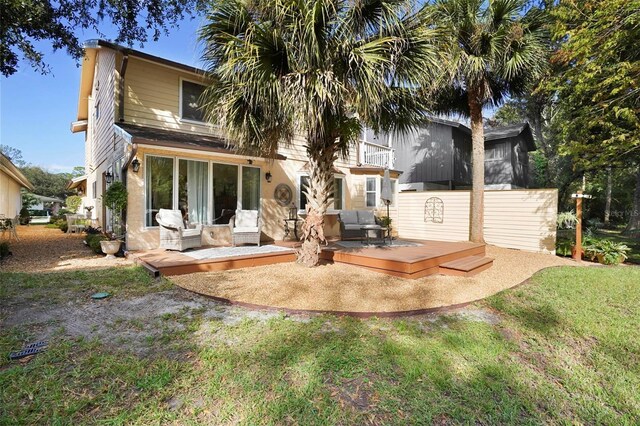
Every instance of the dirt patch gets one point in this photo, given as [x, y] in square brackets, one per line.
[348, 288]
[46, 249]
[138, 323]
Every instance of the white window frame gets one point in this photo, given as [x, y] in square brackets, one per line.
[376, 192]
[332, 210]
[188, 120]
[176, 184]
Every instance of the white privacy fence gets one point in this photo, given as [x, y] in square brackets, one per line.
[519, 219]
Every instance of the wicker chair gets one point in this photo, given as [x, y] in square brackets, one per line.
[246, 227]
[173, 233]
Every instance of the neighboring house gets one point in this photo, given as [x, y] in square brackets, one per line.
[12, 181]
[438, 156]
[80, 185]
[143, 126]
[50, 204]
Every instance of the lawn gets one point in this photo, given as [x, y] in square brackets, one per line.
[563, 348]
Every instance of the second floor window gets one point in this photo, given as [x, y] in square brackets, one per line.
[190, 101]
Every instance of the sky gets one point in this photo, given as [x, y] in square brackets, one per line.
[36, 110]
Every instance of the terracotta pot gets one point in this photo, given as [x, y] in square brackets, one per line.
[110, 248]
[573, 252]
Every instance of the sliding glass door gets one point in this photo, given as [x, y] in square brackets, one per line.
[159, 184]
[193, 190]
[225, 192]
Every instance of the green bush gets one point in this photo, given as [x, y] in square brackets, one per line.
[4, 250]
[607, 252]
[25, 217]
[73, 203]
[93, 241]
[564, 246]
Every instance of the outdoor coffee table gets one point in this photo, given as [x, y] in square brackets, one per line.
[380, 234]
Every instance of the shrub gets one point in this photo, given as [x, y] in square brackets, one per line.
[25, 217]
[93, 241]
[564, 246]
[92, 230]
[73, 203]
[607, 252]
[4, 250]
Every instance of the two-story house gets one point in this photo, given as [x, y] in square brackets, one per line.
[143, 126]
[437, 156]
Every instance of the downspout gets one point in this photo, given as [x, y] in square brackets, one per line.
[123, 71]
[125, 169]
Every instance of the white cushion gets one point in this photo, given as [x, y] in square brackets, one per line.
[190, 232]
[245, 229]
[246, 218]
[171, 218]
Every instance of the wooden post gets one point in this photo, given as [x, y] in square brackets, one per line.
[577, 255]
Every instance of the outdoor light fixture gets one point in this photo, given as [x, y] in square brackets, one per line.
[249, 161]
[135, 164]
[268, 177]
[108, 178]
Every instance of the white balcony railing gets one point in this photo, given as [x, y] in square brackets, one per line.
[372, 154]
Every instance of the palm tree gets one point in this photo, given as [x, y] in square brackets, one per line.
[319, 68]
[493, 50]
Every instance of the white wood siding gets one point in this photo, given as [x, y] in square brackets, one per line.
[103, 95]
[10, 200]
[519, 219]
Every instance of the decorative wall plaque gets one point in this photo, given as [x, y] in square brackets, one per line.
[434, 210]
[283, 194]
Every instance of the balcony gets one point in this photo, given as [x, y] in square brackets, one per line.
[372, 154]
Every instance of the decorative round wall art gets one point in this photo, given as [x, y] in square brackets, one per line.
[283, 194]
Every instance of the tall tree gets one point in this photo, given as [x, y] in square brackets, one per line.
[25, 22]
[599, 87]
[320, 68]
[494, 49]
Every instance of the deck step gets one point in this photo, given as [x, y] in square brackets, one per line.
[467, 266]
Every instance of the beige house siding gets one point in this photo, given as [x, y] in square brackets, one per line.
[519, 219]
[10, 199]
[283, 171]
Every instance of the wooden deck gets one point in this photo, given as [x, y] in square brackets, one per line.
[430, 257]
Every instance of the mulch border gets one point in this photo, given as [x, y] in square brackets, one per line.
[360, 314]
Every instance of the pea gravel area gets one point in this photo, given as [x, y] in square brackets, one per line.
[42, 249]
[339, 287]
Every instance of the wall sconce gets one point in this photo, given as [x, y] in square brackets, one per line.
[135, 164]
[108, 178]
[268, 177]
[80, 192]
[249, 161]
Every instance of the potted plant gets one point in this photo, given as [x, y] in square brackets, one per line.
[115, 198]
[88, 209]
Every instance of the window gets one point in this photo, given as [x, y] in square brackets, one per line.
[338, 192]
[159, 181]
[496, 151]
[193, 189]
[371, 194]
[94, 189]
[250, 188]
[190, 101]
[225, 192]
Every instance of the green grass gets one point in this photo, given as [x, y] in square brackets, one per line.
[566, 350]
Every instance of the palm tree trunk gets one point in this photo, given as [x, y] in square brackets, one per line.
[607, 203]
[476, 225]
[633, 228]
[319, 196]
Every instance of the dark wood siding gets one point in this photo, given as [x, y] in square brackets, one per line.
[425, 155]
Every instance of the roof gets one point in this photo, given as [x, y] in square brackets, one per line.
[450, 124]
[10, 169]
[513, 131]
[175, 139]
[76, 182]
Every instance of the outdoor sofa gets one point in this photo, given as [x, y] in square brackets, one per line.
[352, 221]
[175, 234]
